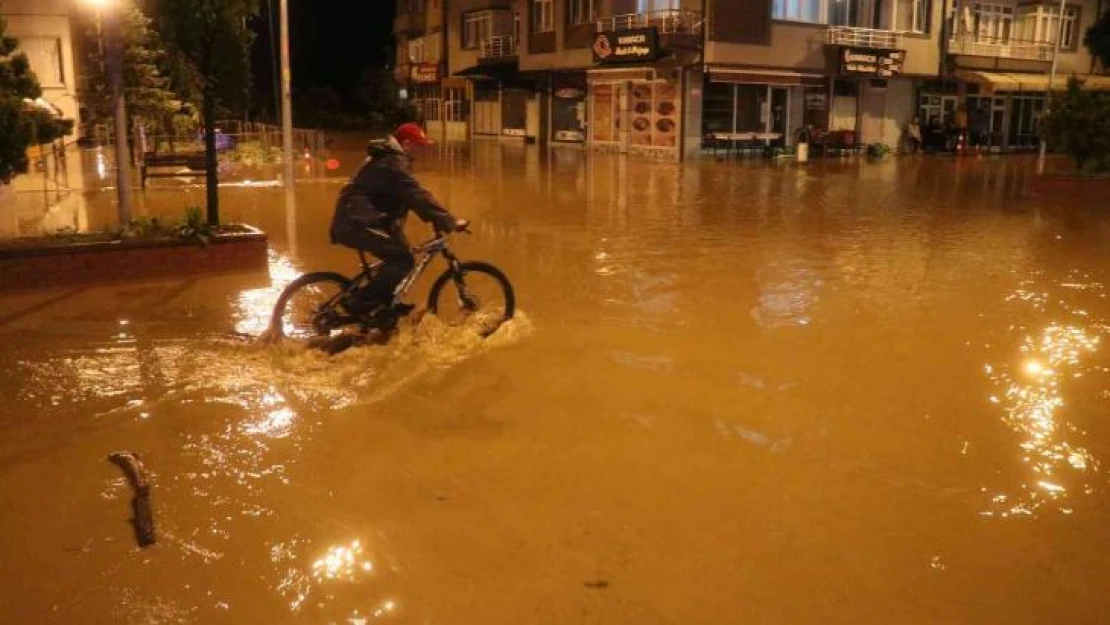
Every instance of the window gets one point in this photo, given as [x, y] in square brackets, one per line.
[647, 6]
[844, 13]
[799, 10]
[1054, 28]
[454, 104]
[476, 27]
[911, 16]
[416, 50]
[481, 26]
[543, 16]
[993, 23]
[582, 11]
[1040, 24]
[45, 56]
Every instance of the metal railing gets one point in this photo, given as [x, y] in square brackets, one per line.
[668, 21]
[973, 45]
[864, 37]
[497, 47]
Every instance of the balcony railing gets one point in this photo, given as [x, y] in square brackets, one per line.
[668, 21]
[497, 47]
[972, 45]
[864, 37]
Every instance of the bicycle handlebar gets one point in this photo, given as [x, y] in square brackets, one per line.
[461, 225]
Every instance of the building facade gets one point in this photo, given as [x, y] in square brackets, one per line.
[44, 29]
[442, 102]
[666, 78]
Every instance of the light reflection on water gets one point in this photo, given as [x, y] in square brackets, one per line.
[1032, 399]
[729, 363]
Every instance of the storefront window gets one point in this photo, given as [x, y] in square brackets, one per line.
[514, 110]
[718, 108]
[568, 109]
[739, 108]
[1024, 119]
[815, 111]
[426, 101]
[455, 105]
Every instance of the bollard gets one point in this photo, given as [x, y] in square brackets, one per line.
[802, 152]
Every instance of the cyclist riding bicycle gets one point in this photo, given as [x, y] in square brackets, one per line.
[371, 209]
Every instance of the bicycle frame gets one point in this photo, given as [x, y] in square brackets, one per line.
[425, 251]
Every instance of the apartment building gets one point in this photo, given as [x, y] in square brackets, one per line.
[657, 77]
[441, 101]
[999, 57]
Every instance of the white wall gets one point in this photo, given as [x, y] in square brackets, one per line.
[885, 112]
[48, 19]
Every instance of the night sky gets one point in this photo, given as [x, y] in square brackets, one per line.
[331, 44]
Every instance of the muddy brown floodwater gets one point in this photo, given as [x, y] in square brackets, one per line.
[737, 393]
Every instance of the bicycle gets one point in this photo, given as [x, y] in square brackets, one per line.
[311, 307]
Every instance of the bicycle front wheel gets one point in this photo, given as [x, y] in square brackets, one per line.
[478, 295]
[307, 307]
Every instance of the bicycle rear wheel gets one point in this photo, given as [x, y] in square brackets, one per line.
[478, 295]
[307, 307]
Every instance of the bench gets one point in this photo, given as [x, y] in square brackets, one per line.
[194, 162]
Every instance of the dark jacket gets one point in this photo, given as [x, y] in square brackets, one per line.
[382, 193]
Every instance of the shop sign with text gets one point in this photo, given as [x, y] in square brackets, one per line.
[626, 46]
[871, 62]
[424, 73]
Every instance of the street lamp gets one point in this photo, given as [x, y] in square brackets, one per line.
[286, 100]
[1048, 94]
[109, 13]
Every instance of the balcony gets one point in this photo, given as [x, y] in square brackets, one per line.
[410, 24]
[497, 48]
[971, 45]
[864, 37]
[668, 21]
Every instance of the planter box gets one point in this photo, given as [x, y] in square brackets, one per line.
[1071, 187]
[23, 266]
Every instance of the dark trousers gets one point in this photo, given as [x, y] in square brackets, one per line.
[391, 247]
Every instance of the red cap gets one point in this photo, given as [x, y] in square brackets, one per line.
[411, 133]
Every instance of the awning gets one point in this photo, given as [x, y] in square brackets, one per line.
[764, 77]
[44, 105]
[491, 71]
[1016, 81]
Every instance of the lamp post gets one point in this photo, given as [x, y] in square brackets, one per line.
[1051, 79]
[286, 98]
[109, 13]
[287, 129]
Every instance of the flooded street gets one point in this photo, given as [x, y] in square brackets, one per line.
[736, 392]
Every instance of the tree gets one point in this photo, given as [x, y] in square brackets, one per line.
[377, 96]
[1097, 40]
[208, 58]
[145, 89]
[22, 123]
[1079, 124]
